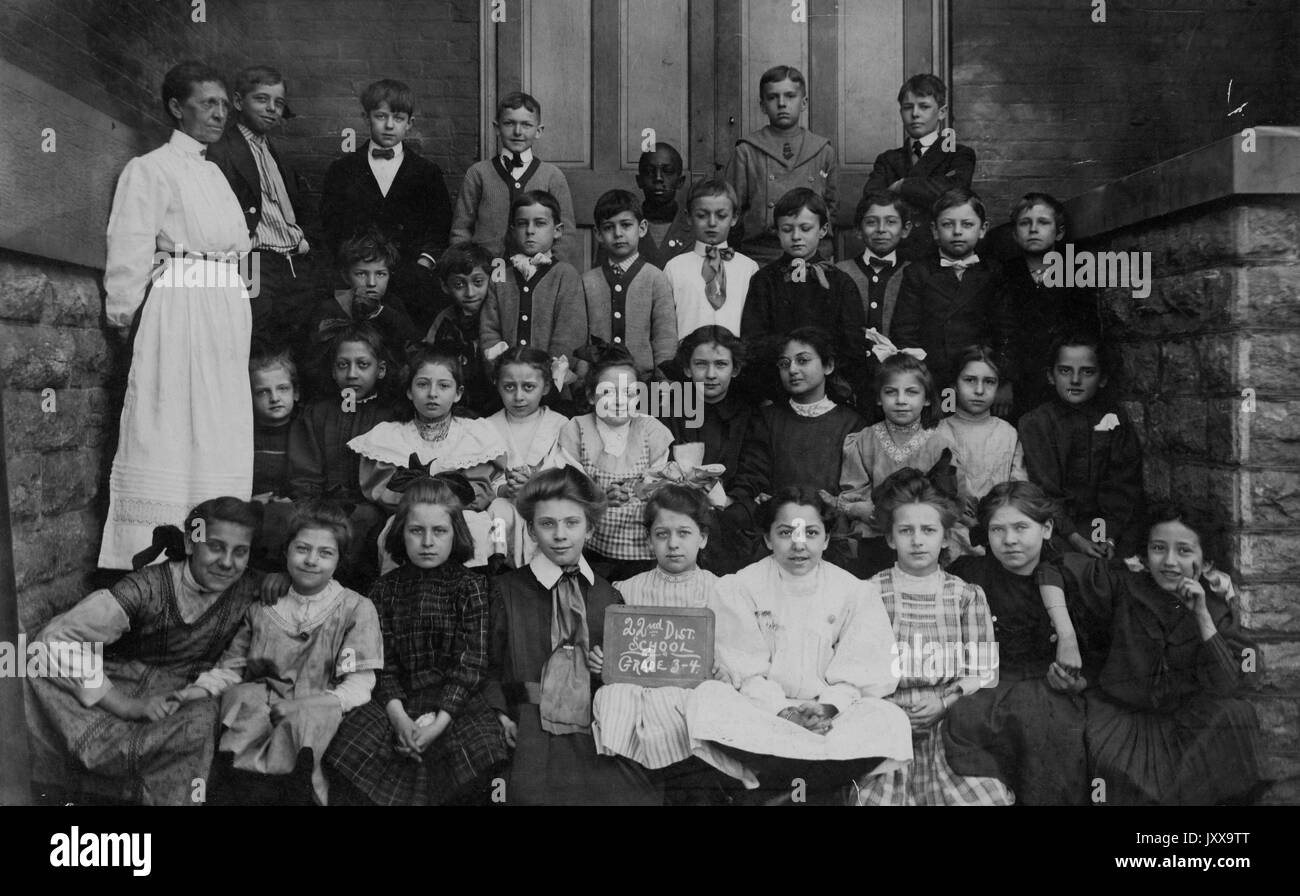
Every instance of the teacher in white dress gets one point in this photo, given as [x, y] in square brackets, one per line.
[186, 433]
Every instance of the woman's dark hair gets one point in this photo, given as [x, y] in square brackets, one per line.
[815, 338]
[180, 81]
[910, 486]
[681, 499]
[430, 491]
[1026, 497]
[225, 510]
[804, 496]
[562, 484]
[320, 514]
[711, 334]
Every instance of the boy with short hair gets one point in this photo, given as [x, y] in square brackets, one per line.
[777, 158]
[660, 175]
[710, 282]
[271, 196]
[951, 300]
[922, 170]
[273, 378]
[1043, 314]
[466, 274]
[390, 187]
[884, 220]
[366, 265]
[540, 302]
[484, 206]
[629, 300]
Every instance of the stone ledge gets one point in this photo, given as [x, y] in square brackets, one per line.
[1203, 175]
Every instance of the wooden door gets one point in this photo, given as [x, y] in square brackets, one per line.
[605, 71]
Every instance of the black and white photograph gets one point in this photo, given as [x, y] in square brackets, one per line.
[721, 403]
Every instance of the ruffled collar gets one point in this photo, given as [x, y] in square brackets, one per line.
[815, 409]
[900, 442]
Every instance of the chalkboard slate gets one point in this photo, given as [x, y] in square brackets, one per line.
[658, 646]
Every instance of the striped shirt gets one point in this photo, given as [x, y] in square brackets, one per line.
[278, 228]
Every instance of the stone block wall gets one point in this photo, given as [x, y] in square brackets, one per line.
[1211, 374]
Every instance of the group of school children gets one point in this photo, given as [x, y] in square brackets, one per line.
[909, 499]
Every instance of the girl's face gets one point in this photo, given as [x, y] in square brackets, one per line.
[615, 395]
[800, 233]
[357, 368]
[802, 372]
[434, 392]
[535, 229]
[977, 384]
[918, 536]
[712, 368]
[1017, 540]
[1174, 553]
[312, 557]
[797, 538]
[676, 541]
[469, 290]
[522, 387]
[220, 556]
[560, 528]
[903, 399]
[429, 536]
[1076, 375]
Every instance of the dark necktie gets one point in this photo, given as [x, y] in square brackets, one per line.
[513, 161]
[617, 271]
[382, 153]
[917, 150]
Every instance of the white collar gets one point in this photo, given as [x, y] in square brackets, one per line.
[526, 155]
[626, 264]
[927, 141]
[187, 144]
[250, 135]
[397, 153]
[613, 437]
[548, 573]
[868, 256]
[815, 409]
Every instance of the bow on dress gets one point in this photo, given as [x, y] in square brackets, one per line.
[403, 478]
[883, 348]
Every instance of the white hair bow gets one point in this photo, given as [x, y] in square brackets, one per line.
[882, 348]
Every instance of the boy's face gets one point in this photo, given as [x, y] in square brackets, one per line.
[560, 528]
[621, 234]
[204, 112]
[1037, 231]
[274, 395]
[369, 282]
[659, 175]
[958, 229]
[800, 233]
[535, 229]
[711, 219]
[883, 228]
[783, 102]
[1076, 375]
[469, 290]
[518, 129]
[388, 128]
[921, 115]
[262, 108]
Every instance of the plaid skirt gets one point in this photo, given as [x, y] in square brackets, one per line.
[928, 780]
[470, 751]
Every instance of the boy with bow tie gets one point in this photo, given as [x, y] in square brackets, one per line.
[540, 302]
[390, 187]
[776, 159]
[922, 169]
[711, 282]
[484, 207]
[953, 299]
[803, 289]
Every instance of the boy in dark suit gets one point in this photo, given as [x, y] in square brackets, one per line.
[270, 193]
[951, 300]
[922, 169]
[392, 188]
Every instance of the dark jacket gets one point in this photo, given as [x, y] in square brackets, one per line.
[233, 156]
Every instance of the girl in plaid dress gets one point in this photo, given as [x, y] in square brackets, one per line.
[945, 646]
[616, 445]
[431, 735]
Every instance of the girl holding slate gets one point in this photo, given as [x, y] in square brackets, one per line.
[648, 725]
[809, 661]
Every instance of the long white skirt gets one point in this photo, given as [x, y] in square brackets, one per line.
[718, 714]
[186, 433]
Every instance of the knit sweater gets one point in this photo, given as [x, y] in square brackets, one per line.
[636, 312]
[548, 312]
[483, 206]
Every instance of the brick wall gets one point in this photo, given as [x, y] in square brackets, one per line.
[329, 51]
[1051, 101]
[1222, 318]
[112, 56]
